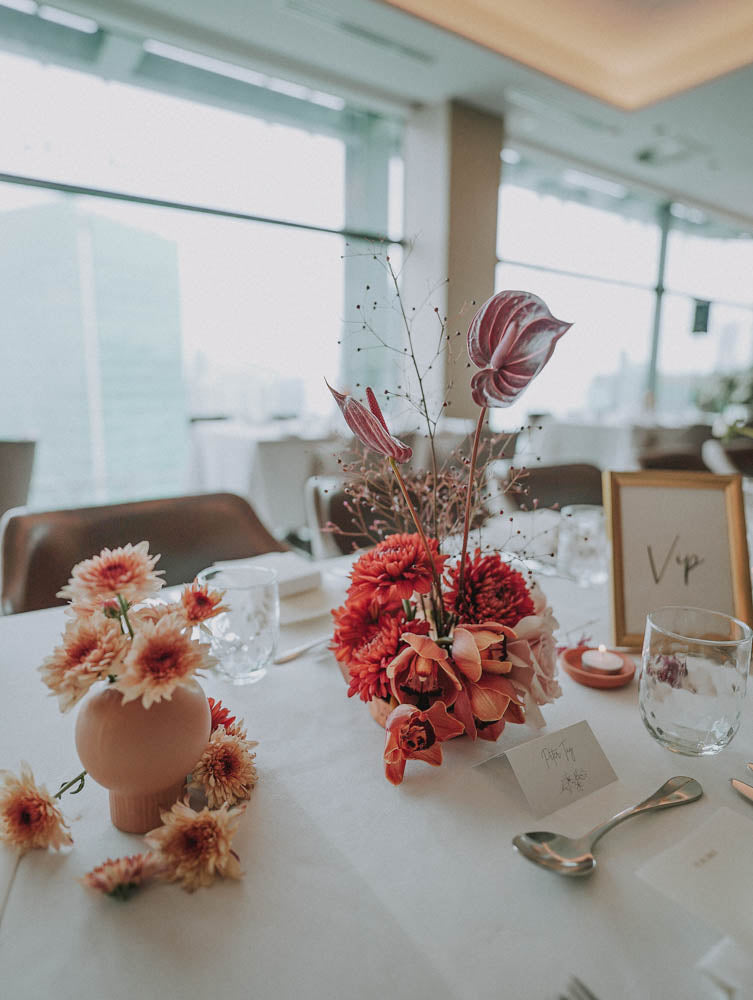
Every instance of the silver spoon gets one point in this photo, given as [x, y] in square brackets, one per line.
[569, 856]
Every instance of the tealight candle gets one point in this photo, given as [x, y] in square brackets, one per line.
[602, 659]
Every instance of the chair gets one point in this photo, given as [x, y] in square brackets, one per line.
[684, 459]
[739, 451]
[16, 463]
[39, 548]
[325, 501]
[560, 485]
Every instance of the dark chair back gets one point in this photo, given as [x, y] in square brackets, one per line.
[38, 549]
[16, 463]
[687, 459]
[560, 485]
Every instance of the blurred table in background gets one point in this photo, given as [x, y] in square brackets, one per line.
[268, 464]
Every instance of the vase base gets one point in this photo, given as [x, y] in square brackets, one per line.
[141, 813]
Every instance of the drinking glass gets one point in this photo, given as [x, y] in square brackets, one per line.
[582, 544]
[244, 638]
[695, 671]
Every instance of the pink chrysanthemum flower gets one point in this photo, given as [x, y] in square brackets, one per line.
[199, 603]
[225, 772]
[123, 876]
[92, 649]
[29, 816]
[192, 847]
[128, 571]
[160, 657]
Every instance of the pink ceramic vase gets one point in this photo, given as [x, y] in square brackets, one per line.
[142, 755]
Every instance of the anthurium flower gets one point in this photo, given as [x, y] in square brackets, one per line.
[370, 427]
[510, 339]
[416, 735]
[421, 670]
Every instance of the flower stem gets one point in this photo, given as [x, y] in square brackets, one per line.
[437, 586]
[124, 613]
[424, 408]
[78, 780]
[468, 504]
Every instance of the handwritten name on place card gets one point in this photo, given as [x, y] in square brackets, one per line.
[557, 769]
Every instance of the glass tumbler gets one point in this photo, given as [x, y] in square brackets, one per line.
[582, 544]
[244, 638]
[694, 676]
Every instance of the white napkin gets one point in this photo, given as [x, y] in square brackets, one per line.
[295, 575]
[729, 968]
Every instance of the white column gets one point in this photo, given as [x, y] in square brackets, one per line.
[452, 176]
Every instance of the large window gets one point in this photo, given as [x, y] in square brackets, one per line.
[171, 252]
[593, 251]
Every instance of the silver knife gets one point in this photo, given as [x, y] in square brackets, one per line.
[745, 790]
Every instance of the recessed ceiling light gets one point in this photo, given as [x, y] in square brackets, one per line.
[68, 20]
[22, 6]
[511, 156]
[234, 72]
[687, 213]
[579, 179]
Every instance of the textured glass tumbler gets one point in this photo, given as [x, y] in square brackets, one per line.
[582, 544]
[694, 677]
[244, 638]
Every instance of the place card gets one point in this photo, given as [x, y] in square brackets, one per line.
[710, 873]
[559, 768]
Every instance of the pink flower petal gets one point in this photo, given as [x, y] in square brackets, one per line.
[370, 427]
[511, 338]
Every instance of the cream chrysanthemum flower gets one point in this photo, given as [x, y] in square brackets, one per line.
[160, 657]
[225, 771]
[121, 877]
[193, 847]
[199, 603]
[92, 649]
[128, 571]
[28, 814]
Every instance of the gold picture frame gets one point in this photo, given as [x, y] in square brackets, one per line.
[676, 538]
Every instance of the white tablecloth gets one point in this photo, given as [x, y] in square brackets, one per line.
[354, 888]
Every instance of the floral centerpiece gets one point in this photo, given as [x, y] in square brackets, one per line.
[439, 645]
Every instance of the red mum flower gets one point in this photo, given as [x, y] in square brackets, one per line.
[368, 667]
[493, 592]
[394, 570]
[220, 715]
[355, 624]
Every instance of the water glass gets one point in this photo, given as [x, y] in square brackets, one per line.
[244, 638]
[694, 676]
[582, 544]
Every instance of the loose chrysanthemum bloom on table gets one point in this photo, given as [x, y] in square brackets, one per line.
[161, 656]
[29, 816]
[193, 847]
[225, 772]
[123, 876]
[126, 572]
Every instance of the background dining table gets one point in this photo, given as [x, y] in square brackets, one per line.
[352, 887]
